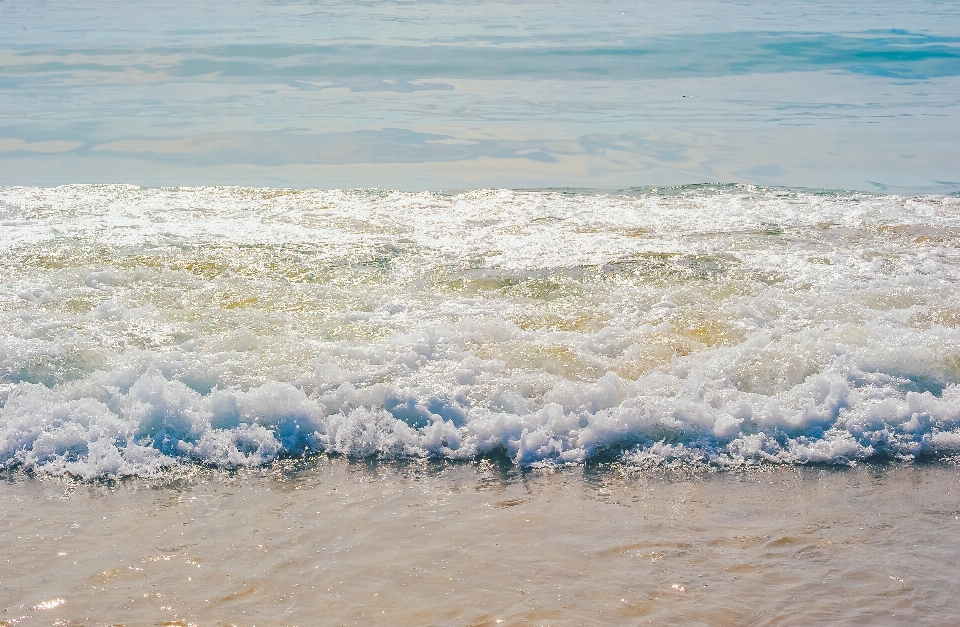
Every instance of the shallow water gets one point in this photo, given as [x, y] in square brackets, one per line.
[334, 542]
[144, 328]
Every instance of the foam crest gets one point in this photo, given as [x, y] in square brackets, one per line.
[146, 328]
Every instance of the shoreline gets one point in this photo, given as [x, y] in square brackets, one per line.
[183, 474]
[358, 543]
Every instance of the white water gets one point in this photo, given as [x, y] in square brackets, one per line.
[142, 328]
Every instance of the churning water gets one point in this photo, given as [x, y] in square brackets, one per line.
[147, 328]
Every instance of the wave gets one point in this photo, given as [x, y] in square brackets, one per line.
[728, 325]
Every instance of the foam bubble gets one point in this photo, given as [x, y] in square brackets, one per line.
[147, 328]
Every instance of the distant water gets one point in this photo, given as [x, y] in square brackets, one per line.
[728, 326]
[446, 94]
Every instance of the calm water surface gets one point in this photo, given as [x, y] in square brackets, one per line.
[440, 94]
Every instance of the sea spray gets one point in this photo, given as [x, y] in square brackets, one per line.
[144, 328]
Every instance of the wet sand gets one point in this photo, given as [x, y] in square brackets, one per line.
[332, 542]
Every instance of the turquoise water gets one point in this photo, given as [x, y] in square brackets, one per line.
[453, 95]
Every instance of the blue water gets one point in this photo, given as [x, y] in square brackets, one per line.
[427, 95]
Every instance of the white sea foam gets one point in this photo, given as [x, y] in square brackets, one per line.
[142, 328]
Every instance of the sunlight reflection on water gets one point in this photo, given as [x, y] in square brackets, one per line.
[446, 94]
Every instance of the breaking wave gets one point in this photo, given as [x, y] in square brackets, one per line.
[144, 328]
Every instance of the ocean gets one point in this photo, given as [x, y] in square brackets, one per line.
[447, 94]
[718, 325]
[447, 313]
[728, 393]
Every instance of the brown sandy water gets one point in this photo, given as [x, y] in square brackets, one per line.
[334, 542]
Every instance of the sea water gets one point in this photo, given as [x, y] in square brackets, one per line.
[719, 405]
[605, 397]
[146, 328]
[333, 542]
[447, 94]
